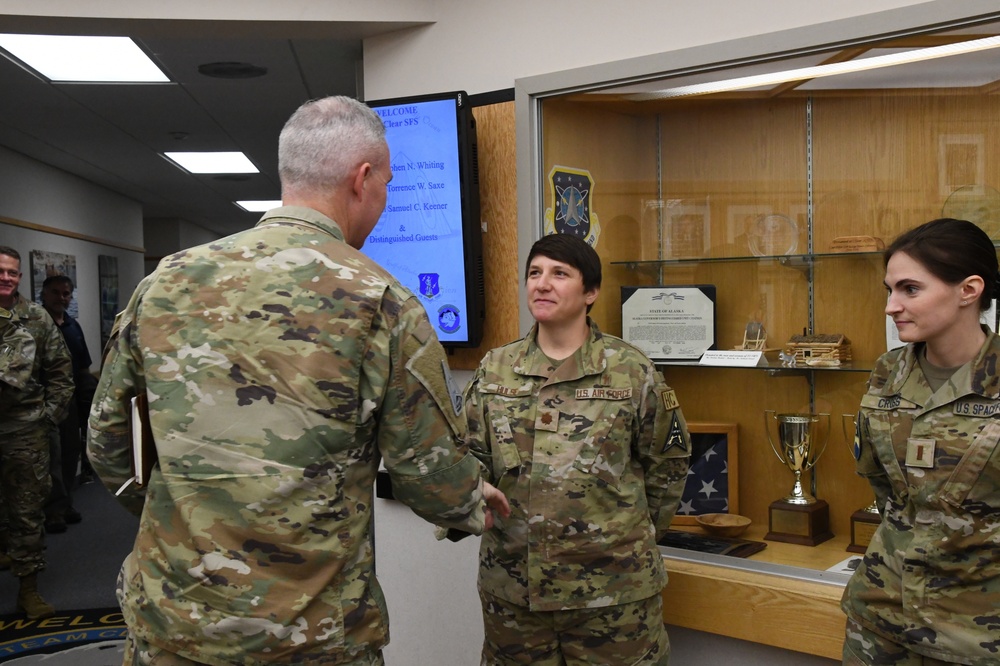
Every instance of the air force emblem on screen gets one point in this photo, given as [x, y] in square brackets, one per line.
[430, 286]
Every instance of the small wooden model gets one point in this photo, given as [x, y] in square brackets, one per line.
[820, 349]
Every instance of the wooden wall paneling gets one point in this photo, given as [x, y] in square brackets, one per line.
[884, 164]
[744, 158]
[498, 201]
[619, 151]
[850, 299]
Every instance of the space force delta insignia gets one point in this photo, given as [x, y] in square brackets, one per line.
[572, 211]
[675, 438]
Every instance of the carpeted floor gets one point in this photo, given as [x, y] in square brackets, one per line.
[79, 580]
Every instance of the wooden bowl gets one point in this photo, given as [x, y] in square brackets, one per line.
[723, 524]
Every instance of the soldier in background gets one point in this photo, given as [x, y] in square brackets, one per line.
[66, 446]
[281, 365]
[928, 441]
[591, 448]
[25, 430]
[17, 355]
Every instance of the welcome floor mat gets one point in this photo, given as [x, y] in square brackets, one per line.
[92, 637]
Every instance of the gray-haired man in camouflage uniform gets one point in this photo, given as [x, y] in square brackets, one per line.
[281, 365]
[25, 429]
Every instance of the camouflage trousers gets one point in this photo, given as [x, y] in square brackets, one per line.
[24, 477]
[139, 652]
[629, 634]
[865, 648]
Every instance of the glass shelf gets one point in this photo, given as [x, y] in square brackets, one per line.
[775, 367]
[787, 259]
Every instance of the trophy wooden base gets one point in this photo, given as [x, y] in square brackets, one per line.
[802, 524]
[863, 526]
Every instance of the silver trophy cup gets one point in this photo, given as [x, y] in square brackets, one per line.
[798, 450]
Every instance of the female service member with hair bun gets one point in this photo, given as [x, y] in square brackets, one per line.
[928, 589]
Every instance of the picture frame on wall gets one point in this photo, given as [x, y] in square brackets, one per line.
[46, 264]
[107, 275]
[687, 229]
[712, 484]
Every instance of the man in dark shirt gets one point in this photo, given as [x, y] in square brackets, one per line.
[66, 448]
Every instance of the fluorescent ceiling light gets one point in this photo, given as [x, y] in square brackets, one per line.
[216, 162]
[255, 206]
[832, 69]
[75, 58]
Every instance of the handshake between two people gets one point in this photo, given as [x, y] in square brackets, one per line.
[495, 501]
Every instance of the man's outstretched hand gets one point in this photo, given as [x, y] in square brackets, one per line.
[495, 501]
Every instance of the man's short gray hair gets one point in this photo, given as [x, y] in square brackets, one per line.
[325, 140]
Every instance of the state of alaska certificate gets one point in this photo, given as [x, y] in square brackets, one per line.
[670, 323]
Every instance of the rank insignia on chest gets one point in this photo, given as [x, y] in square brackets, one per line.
[547, 419]
[920, 453]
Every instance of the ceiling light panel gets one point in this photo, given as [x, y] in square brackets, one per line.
[84, 59]
[212, 162]
[258, 206]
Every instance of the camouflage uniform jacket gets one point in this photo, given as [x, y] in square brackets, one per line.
[49, 389]
[930, 580]
[592, 457]
[17, 356]
[280, 365]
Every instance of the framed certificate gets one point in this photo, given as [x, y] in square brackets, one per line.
[670, 323]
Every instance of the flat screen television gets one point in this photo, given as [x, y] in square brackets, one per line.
[430, 236]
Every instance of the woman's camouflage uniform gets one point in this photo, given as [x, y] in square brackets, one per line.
[592, 457]
[930, 580]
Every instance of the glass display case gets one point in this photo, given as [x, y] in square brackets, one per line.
[777, 178]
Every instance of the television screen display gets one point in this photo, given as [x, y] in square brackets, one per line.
[429, 236]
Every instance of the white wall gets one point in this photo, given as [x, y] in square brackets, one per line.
[483, 45]
[38, 194]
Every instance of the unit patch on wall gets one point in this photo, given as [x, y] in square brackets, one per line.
[572, 211]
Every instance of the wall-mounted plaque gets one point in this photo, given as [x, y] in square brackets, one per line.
[670, 323]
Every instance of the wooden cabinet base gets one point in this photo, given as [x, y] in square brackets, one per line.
[772, 610]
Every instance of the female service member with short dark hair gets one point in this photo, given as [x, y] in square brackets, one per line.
[590, 447]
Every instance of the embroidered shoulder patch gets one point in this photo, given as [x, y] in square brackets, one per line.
[675, 438]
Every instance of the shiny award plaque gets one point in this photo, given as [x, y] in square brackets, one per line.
[798, 518]
[864, 521]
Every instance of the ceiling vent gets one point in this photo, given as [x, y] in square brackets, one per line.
[231, 70]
